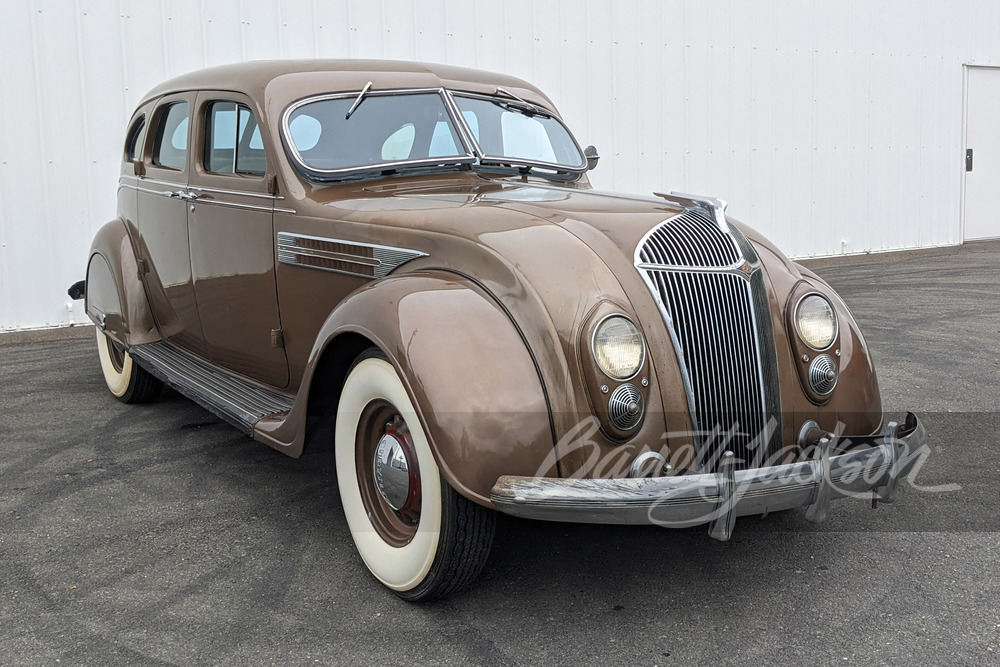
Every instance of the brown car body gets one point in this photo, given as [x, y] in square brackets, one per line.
[487, 316]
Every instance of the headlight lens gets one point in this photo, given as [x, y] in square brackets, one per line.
[816, 322]
[618, 347]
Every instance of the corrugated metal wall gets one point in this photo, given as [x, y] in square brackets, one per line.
[830, 126]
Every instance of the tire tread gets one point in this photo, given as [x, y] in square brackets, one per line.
[467, 533]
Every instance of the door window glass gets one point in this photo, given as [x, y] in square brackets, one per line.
[233, 143]
[171, 137]
[133, 142]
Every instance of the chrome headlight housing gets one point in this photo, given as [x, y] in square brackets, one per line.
[618, 346]
[816, 321]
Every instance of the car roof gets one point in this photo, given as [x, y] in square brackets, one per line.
[283, 81]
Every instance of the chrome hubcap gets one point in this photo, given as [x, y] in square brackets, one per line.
[392, 471]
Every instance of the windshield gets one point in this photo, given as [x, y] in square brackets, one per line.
[373, 132]
[508, 133]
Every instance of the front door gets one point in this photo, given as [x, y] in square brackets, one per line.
[162, 214]
[232, 240]
[982, 169]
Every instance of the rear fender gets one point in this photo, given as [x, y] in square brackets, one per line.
[115, 299]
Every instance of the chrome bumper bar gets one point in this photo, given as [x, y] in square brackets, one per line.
[875, 463]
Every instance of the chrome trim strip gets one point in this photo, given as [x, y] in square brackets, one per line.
[198, 188]
[241, 193]
[229, 204]
[213, 202]
[737, 270]
[384, 260]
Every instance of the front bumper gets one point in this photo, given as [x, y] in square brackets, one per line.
[870, 463]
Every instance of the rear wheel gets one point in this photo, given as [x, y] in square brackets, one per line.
[129, 382]
[416, 534]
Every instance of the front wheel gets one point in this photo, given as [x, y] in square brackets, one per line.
[416, 534]
[129, 382]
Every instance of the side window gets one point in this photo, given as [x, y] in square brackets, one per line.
[170, 149]
[133, 141]
[233, 143]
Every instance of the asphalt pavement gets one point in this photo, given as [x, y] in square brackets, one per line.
[160, 535]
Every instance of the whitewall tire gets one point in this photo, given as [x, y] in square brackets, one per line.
[425, 541]
[128, 381]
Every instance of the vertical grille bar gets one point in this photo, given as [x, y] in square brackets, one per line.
[722, 326]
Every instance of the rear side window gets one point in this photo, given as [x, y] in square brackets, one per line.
[232, 141]
[133, 142]
[170, 149]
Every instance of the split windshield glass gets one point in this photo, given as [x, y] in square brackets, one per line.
[511, 133]
[383, 132]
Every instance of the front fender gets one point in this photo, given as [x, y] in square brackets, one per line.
[465, 366]
[114, 298]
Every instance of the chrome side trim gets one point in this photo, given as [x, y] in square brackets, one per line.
[240, 193]
[232, 204]
[190, 196]
[366, 260]
[197, 188]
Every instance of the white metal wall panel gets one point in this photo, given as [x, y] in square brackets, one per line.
[830, 126]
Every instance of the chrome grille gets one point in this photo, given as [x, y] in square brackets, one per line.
[692, 238]
[722, 328]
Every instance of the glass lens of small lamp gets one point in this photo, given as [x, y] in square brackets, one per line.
[618, 348]
[816, 322]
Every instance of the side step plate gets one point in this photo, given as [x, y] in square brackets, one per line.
[239, 402]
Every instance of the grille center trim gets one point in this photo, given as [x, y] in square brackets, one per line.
[707, 282]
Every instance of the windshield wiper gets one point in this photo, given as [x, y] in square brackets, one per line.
[504, 91]
[357, 102]
[522, 107]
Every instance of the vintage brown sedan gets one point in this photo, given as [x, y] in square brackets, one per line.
[410, 259]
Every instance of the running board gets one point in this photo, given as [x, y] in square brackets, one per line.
[238, 401]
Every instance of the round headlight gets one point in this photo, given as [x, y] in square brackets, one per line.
[618, 347]
[816, 322]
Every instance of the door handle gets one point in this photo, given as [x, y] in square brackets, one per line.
[186, 196]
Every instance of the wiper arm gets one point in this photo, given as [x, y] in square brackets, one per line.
[504, 91]
[522, 107]
[357, 102]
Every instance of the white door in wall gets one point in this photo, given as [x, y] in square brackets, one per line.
[982, 154]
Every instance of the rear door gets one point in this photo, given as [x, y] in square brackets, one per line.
[162, 212]
[231, 231]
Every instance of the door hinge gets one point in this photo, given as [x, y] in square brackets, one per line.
[272, 186]
[277, 338]
[968, 159]
[142, 266]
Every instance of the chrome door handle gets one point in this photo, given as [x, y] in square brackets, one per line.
[186, 196]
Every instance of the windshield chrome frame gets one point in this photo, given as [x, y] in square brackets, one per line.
[516, 162]
[469, 157]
